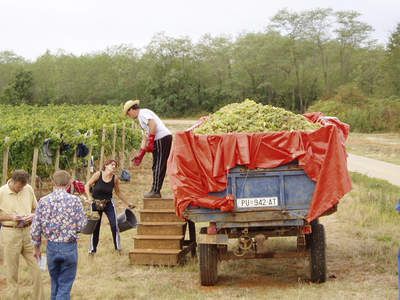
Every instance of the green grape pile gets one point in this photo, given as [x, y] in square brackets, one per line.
[249, 116]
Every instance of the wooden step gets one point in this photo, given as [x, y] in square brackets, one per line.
[162, 257]
[158, 242]
[161, 228]
[158, 215]
[155, 203]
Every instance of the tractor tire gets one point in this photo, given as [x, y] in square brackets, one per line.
[318, 255]
[208, 264]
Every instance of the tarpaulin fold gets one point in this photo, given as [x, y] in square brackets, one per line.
[199, 164]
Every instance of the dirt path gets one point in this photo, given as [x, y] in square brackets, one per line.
[374, 168]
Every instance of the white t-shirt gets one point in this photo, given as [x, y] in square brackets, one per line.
[145, 115]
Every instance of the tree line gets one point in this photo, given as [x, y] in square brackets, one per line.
[298, 58]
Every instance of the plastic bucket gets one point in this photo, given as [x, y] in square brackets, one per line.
[90, 226]
[126, 220]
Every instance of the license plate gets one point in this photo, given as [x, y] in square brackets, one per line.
[257, 202]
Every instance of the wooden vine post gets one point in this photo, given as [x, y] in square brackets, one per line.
[5, 160]
[103, 139]
[122, 155]
[57, 160]
[89, 162]
[114, 141]
[34, 166]
[74, 163]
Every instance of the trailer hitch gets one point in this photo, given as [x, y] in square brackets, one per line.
[245, 243]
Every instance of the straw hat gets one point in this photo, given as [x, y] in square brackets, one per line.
[128, 104]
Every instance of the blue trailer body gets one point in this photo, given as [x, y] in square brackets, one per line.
[285, 191]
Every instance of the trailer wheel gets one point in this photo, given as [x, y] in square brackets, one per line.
[208, 264]
[318, 256]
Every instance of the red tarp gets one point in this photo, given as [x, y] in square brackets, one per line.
[199, 164]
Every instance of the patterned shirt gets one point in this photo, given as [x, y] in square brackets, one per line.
[59, 217]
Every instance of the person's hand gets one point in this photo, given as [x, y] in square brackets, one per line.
[150, 143]
[37, 253]
[28, 218]
[16, 218]
[137, 160]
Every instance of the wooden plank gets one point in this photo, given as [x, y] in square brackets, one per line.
[158, 216]
[158, 243]
[160, 228]
[157, 251]
[155, 203]
[154, 259]
[158, 237]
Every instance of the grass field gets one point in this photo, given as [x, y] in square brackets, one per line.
[362, 242]
[381, 146]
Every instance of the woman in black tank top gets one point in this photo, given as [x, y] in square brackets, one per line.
[102, 189]
[103, 184]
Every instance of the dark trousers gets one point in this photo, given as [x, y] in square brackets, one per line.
[160, 159]
[111, 213]
[62, 261]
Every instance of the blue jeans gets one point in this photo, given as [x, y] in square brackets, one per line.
[62, 261]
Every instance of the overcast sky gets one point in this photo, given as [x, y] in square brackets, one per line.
[30, 27]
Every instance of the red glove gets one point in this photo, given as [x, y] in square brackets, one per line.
[150, 143]
[138, 158]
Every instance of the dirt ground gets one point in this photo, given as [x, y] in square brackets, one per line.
[354, 270]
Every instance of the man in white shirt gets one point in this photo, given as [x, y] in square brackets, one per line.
[157, 140]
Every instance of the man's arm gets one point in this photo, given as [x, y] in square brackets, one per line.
[90, 183]
[9, 217]
[152, 126]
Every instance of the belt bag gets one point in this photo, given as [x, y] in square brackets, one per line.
[99, 205]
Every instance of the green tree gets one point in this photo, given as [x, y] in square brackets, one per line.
[20, 89]
[351, 34]
[392, 62]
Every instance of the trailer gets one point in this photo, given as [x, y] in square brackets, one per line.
[268, 203]
[255, 186]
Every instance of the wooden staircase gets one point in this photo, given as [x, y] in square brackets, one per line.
[160, 238]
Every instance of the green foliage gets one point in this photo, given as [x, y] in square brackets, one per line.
[392, 62]
[20, 90]
[249, 116]
[362, 113]
[28, 127]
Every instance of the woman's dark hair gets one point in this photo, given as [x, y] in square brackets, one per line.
[110, 161]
